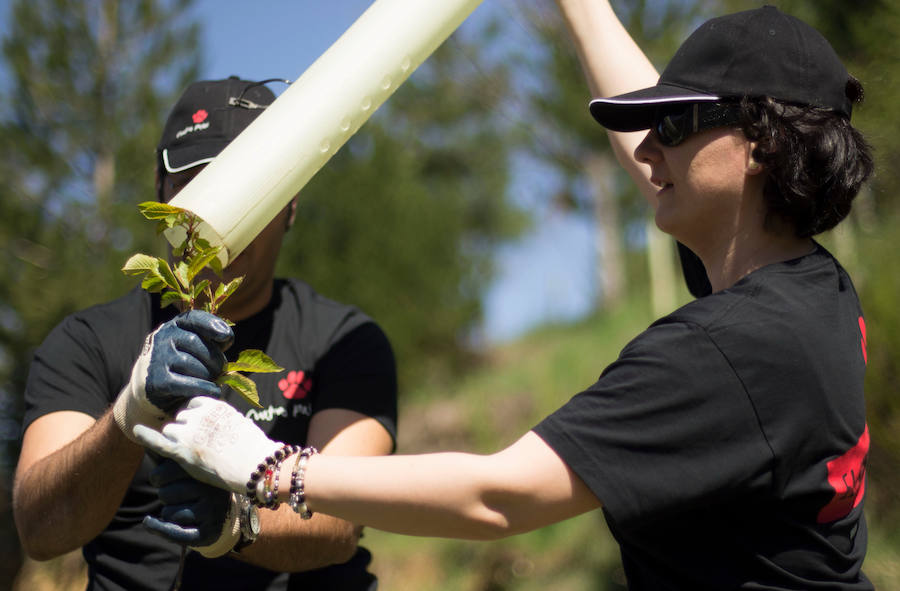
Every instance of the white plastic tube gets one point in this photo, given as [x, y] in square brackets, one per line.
[258, 174]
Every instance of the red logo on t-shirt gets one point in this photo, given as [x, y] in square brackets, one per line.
[862, 331]
[296, 385]
[847, 476]
[199, 116]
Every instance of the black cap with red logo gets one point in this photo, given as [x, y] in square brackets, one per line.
[207, 117]
[754, 53]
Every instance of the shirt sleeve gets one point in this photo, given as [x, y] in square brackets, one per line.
[666, 425]
[359, 373]
[68, 372]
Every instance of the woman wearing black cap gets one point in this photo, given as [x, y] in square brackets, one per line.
[727, 443]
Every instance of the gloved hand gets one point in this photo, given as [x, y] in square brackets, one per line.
[201, 516]
[212, 441]
[180, 359]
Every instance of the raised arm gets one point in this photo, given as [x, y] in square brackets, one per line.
[613, 64]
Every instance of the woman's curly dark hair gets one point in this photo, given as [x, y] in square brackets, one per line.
[816, 161]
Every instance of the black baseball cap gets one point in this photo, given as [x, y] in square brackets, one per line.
[754, 53]
[207, 117]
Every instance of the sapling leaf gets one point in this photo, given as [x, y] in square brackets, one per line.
[242, 385]
[173, 297]
[182, 273]
[139, 263]
[216, 264]
[230, 288]
[156, 210]
[253, 360]
[165, 272]
[170, 221]
[153, 283]
[201, 260]
[198, 288]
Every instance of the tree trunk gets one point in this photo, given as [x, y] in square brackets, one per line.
[610, 268]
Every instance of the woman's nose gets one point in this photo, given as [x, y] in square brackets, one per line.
[648, 150]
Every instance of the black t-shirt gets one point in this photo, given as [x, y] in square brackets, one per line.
[727, 443]
[334, 357]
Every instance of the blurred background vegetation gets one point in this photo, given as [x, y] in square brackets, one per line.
[404, 222]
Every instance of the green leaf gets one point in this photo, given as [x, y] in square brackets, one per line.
[173, 297]
[140, 263]
[197, 290]
[216, 265]
[153, 283]
[165, 272]
[253, 360]
[154, 210]
[224, 290]
[199, 261]
[242, 385]
[183, 274]
[158, 274]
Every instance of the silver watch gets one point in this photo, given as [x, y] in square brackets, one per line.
[248, 519]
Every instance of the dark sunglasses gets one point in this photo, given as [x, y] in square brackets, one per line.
[675, 123]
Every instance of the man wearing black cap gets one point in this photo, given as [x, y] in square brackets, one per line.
[727, 444]
[82, 481]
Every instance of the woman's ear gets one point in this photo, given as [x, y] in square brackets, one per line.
[753, 167]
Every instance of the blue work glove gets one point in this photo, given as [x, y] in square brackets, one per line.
[203, 517]
[180, 359]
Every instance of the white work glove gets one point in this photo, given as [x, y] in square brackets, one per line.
[213, 442]
[202, 517]
[180, 359]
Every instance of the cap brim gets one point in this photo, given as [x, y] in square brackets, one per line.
[634, 111]
[182, 158]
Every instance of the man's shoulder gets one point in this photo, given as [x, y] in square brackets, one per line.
[311, 304]
[131, 313]
[321, 322]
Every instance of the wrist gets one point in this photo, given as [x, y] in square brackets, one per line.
[248, 522]
[232, 531]
[280, 478]
[264, 482]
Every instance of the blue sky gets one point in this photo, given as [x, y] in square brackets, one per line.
[547, 276]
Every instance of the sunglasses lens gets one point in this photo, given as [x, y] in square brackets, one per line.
[669, 131]
[670, 127]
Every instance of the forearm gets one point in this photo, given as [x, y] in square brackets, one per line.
[613, 64]
[288, 543]
[66, 498]
[445, 495]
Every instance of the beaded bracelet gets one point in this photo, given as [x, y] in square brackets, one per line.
[297, 499]
[271, 463]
